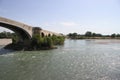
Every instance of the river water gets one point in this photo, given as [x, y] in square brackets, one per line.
[76, 60]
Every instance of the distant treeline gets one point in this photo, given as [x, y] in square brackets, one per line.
[9, 35]
[5, 34]
[92, 35]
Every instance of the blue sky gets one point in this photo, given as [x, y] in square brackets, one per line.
[65, 16]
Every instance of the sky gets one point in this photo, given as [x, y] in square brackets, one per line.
[65, 16]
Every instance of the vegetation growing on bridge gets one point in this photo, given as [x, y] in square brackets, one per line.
[36, 43]
[47, 42]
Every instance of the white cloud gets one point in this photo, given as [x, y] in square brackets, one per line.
[69, 24]
[49, 24]
[62, 27]
[62, 24]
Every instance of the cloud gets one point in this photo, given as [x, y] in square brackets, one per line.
[49, 24]
[61, 24]
[69, 24]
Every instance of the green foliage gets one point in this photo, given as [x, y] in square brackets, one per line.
[36, 41]
[118, 35]
[15, 39]
[39, 42]
[88, 34]
[113, 35]
[58, 40]
[49, 42]
[5, 34]
[73, 35]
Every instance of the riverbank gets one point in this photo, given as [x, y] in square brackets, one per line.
[5, 41]
[92, 35]
[94, 38]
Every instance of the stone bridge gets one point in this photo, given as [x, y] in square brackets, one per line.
[23, 30]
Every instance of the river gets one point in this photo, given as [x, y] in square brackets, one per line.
[76, 60]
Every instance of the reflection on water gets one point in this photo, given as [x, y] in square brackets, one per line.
[76, 60]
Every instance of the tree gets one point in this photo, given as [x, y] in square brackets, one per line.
[98, 35]
[69, 35]
[118, 35]
[73, 35]
[113, 35]
[94, 34]
[49, 42]
[88, 34]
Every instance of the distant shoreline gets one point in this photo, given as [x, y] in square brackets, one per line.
[5, 41]
[93, 38]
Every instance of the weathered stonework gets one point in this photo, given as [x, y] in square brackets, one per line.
[16, 25]
[23, 29]
[38, 30]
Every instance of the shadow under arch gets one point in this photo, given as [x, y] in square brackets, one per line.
[24, 35]
[49, 35]
[42, 34]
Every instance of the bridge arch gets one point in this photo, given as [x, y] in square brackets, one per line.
[42, 34]
[49, 35]
[22, 30]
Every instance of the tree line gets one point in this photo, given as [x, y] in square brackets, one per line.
[5, 34]
[92, 35]
[9, 35]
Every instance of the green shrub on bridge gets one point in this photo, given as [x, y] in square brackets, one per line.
[39, 42]
[58, 40]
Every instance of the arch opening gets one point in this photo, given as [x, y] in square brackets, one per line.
[22, 34]
[49, 35]
[42, 34]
